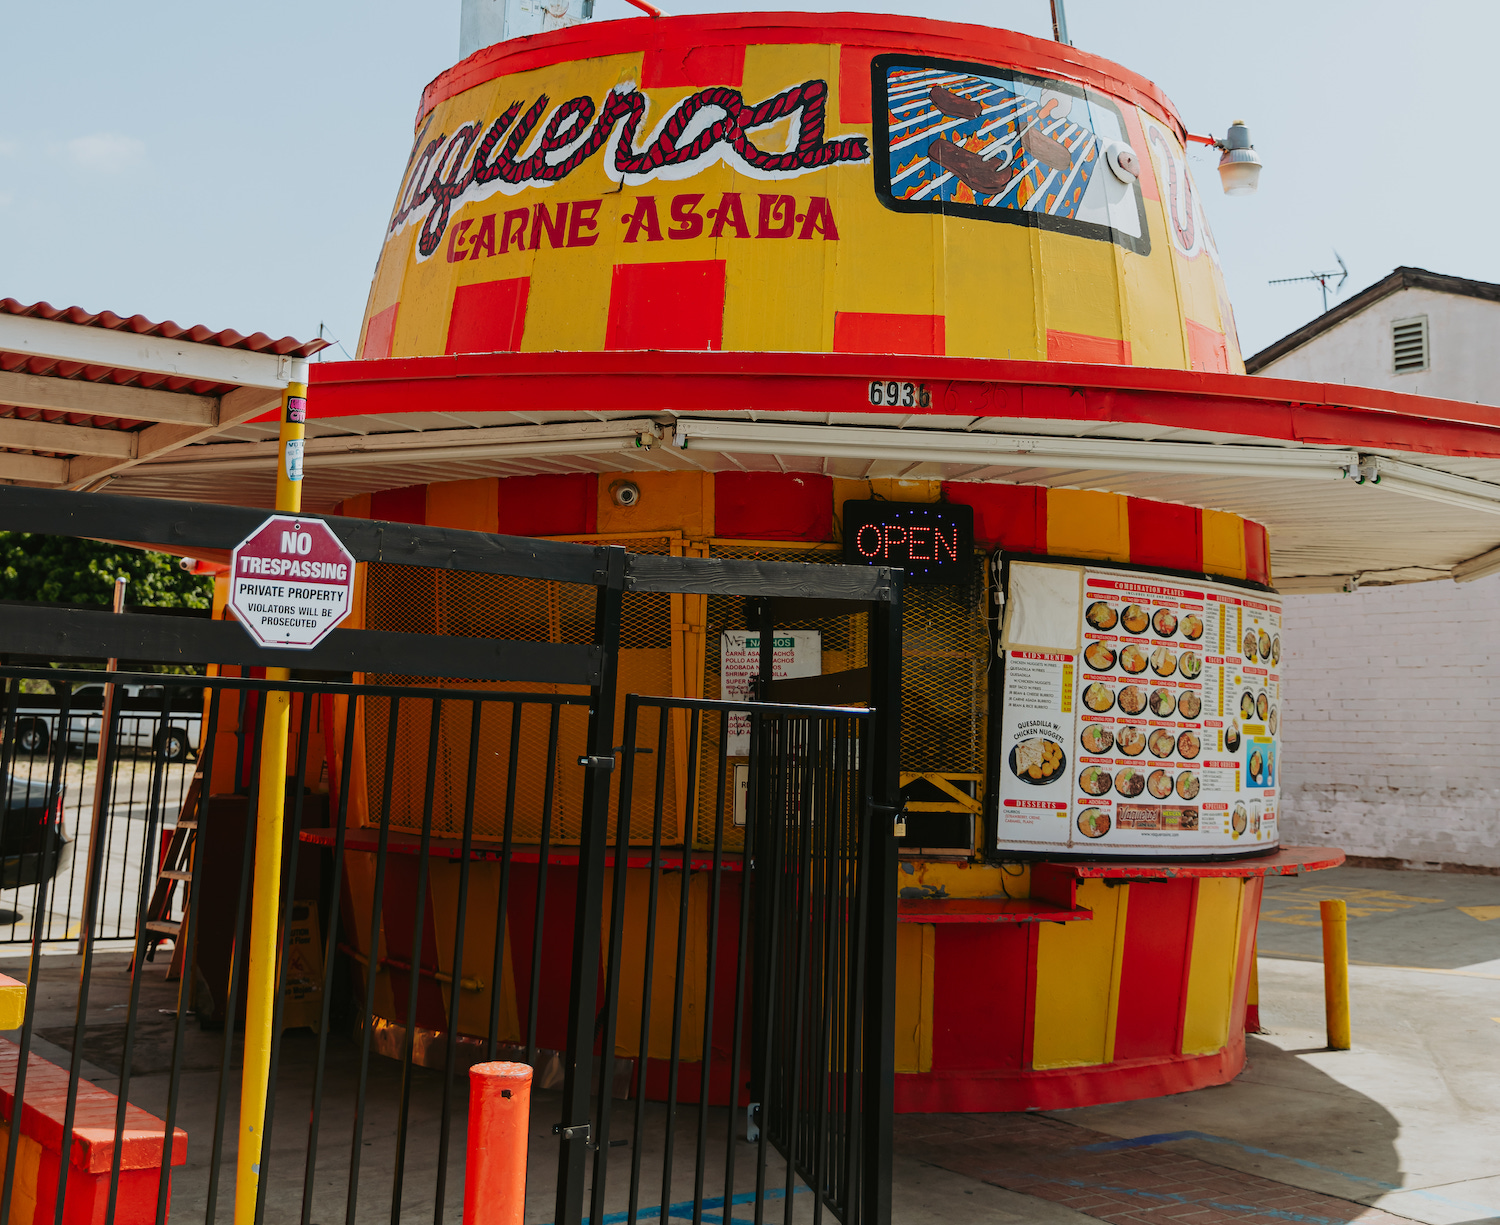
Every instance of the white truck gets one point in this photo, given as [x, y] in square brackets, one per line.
[141, 722]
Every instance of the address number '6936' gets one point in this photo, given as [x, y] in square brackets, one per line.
[900, 395]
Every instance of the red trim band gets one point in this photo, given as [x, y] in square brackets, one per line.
[982, 1091]
[868, 31]
[650, 382]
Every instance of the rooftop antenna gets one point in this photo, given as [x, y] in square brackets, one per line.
[1322, 278]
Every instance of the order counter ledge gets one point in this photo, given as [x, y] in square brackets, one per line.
[1288, 861]
[987, 910]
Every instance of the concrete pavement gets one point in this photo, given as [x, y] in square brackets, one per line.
[1404, 1125]
[1401, 1127]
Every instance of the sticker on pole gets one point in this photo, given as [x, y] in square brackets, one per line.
[290, 582]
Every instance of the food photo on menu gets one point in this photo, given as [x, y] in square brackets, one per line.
[1097, 739]
[1099, 698]
[1037, 760]
[1260, 767]
[1099, 656]
[1095, 780]
[1101, 616]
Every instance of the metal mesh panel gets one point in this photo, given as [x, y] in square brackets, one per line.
[419, 600]
[945, 653]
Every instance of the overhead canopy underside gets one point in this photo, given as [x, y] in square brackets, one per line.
[1303, 459]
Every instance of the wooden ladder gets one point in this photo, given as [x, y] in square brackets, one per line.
[176, 866]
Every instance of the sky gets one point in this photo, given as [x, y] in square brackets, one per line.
[234, 165]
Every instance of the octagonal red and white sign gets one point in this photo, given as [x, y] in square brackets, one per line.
[290, 582]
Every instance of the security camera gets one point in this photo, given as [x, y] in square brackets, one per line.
[625, 493]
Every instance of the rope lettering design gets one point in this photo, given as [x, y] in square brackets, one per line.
[444, 170]
[1187, 230]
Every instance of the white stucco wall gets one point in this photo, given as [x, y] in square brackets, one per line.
[1391, 725]
[1391, 730]
[1462, 337]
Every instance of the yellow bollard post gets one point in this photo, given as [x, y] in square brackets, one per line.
[260, 977]
[1336, 972]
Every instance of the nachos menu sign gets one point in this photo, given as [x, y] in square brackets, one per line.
[291, 582]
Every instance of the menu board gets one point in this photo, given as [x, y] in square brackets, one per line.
[1155, 734]
[794, 653]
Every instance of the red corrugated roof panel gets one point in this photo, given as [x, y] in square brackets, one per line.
[258, 342]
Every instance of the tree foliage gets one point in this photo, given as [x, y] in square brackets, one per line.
[66, 570]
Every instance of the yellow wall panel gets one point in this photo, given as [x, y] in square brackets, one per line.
[479, 948]
[981, 256]
[1223, 544]
[893, 489]
[664, 964]
[1080, 277]
[1077, 981]
[473, 506]
[1216, 931]
[1085, 523]
[670, 501]
[1154, 329]
[966, 880]
[915, 959]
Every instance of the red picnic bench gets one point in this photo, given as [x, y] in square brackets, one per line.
[91, 1150]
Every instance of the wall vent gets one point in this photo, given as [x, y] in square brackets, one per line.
[1409, 345]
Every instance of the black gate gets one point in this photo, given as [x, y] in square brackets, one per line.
[710, 1020]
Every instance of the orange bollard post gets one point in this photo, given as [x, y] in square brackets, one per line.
[495, 1172]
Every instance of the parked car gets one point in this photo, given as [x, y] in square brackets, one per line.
[34, 842]
[140, 722]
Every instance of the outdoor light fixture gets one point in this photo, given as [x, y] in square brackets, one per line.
[1239, 168]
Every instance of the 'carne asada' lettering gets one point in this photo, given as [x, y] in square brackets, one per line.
[574, 223]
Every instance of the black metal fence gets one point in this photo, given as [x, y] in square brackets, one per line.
[711, 1029]
[53, 760]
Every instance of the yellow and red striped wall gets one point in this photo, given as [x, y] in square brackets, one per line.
[805, 507]
[1145, 998]
[712, 254]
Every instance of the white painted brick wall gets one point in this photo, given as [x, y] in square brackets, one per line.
[1391, 722]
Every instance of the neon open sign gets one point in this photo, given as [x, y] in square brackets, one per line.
[932, 542]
